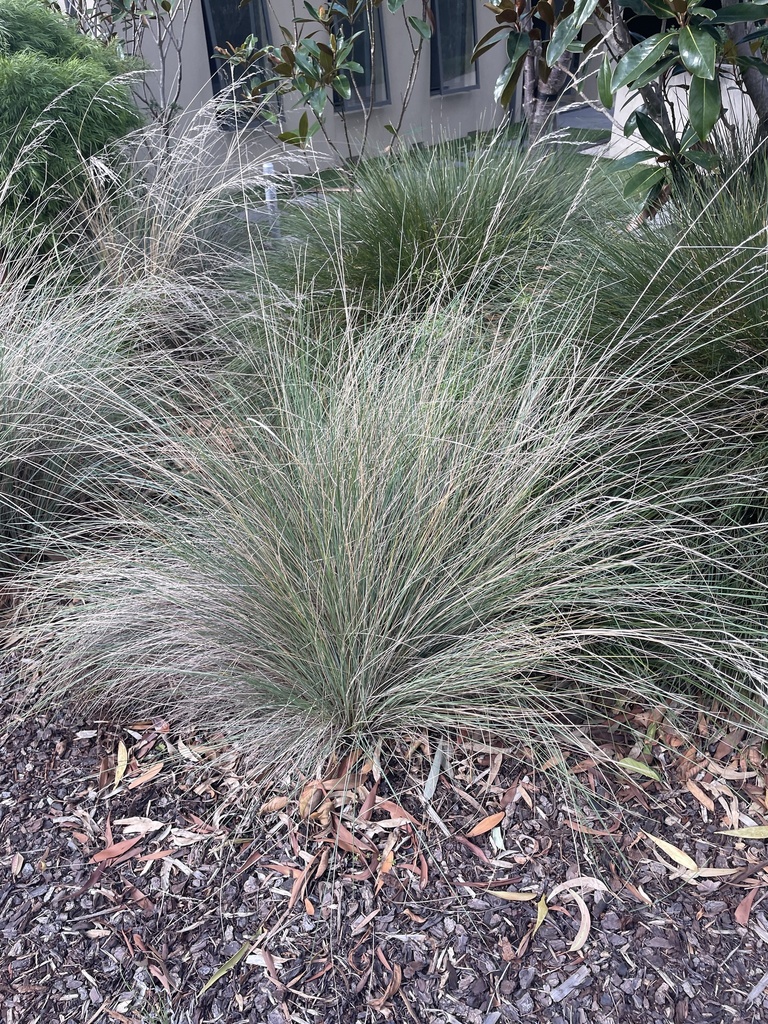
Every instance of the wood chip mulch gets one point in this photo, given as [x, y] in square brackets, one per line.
[135, 887]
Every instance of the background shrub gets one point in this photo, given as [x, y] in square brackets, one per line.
[62, 102]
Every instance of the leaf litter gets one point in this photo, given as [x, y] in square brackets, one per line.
[347, 899]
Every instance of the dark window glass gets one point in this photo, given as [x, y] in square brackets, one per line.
[451, 46]
[227, 23]
[373, 80]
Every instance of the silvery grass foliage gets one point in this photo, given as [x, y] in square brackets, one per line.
[78, 385]
[55, 359]
[510, 538]
[417, 220]
[192, 203]
[699, 266]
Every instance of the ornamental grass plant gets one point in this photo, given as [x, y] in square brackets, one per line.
[698, 268]
[483, 511]
[427, 222]
[514, 540]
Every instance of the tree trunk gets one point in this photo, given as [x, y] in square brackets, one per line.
[548, 93]
[755, 82]
[540, 97]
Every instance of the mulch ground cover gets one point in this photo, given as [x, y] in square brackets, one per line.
[137, 884]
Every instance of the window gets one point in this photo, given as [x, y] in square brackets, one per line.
[453, 40]
[366, 84]
[226, 22]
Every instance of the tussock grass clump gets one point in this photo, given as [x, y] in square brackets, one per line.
[426, 222]
[700, 269]
[82, 379]
[507, 540]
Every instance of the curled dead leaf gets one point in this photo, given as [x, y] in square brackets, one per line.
[583, 883]
[586, 922]
[311, 798]
[277, 803]
[391, 990]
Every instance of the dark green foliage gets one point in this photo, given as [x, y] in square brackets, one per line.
[432, 221]
[61, 102]
[697, 273]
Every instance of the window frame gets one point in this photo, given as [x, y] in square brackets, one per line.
[435, 49]
[227, 118]
[352, 105]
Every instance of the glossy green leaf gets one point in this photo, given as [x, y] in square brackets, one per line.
[752, 62]
[604, 90]
[422, 27]
[630, 125]
[342, 86]
[506, 83]
[490, 39]
[660, 9]
[625, 163]
[394, 5]
[640, 57]
[654, 72]
[699, 51]
[740, 12]
[708, 161]
[568, 29]
[317, 100]
[759, 33]
[704, 105]
[652, 133]
[643, 180]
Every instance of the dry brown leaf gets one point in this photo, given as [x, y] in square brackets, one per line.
[395, 810]
[695, 790]
[311, 798]
[17, 863]
[744, 909]
[677, 855]
[516, 897]
[146, 776]
[115, 850]
[157, 855]
[587, 830]
[391, 990]
[486, 824]
[729, 773]
[277, 803]
[141, 898]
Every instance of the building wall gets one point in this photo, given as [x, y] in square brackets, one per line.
[428, 117]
